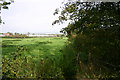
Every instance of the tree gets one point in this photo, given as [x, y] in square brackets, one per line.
[96, 30]
[4, 5]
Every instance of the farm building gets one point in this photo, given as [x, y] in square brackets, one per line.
[5, 34]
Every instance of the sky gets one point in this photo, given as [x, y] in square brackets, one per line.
[34, 16]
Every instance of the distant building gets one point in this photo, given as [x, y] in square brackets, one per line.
[5, 34]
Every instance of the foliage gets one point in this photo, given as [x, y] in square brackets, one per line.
[68, 63]
[4, 5]
[93, 32]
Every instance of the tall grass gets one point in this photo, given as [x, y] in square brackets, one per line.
[32, 57]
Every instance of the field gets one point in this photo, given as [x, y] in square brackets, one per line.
[32, 57]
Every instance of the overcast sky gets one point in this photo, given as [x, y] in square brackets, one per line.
[35, 16]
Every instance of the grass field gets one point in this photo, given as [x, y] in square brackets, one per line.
[32, 57]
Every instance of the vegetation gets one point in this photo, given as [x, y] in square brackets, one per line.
[91, 51]
[4, 5]
[32, 57]
[93, 34]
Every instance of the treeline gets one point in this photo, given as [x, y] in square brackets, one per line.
[29, 35]
[93, 35]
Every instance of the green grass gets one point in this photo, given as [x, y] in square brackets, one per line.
[33, 45]
[39, 54]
